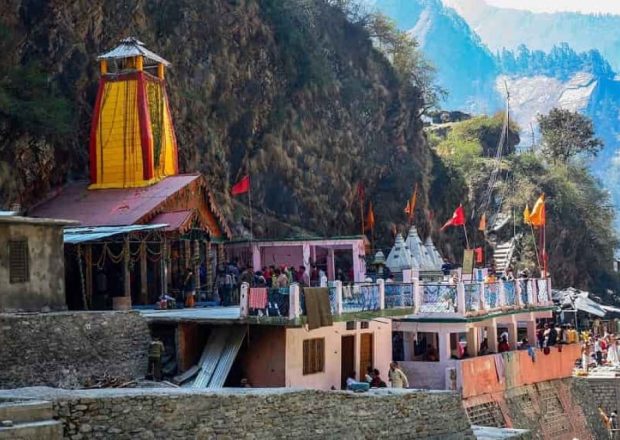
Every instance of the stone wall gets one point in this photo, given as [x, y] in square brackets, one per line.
[44, 289]
[254, 414]
[551, 410]
[65, 349]
[592, 394]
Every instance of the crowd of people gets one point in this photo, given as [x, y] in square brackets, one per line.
[599, 350]
[373, 379]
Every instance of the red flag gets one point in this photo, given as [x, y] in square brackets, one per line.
[241, 187]
[458, 218]
[370, 219]
[361, 192]
[479, 255]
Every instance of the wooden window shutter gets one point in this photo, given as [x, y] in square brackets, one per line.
[19, 270]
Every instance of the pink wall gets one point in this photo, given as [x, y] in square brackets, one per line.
[382, 353]
[263, 359]
[282, 255]
[479, 375]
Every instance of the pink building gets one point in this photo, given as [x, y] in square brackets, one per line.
[329, 254]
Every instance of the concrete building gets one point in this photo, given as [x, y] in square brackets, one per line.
[32, 270]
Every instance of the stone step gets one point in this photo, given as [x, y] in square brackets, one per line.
[42, 430]
[26, 411]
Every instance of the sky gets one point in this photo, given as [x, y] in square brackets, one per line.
[585, 6]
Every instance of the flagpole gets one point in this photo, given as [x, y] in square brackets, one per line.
[250, 205]
[362, 215]
[466, 239]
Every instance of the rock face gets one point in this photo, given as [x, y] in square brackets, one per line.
[66, 349]
[291, 91]
[258, 414]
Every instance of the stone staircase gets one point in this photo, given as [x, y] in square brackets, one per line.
[503, 253]
[29, 420]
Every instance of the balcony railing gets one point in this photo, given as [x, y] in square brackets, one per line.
[421, 299]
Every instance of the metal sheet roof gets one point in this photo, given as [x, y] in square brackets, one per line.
[110, 207]
[131, 47]
[177, 220]
[83, 235]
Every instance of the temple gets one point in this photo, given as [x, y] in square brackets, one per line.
[142, 225]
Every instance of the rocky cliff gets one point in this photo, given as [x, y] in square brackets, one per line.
[291, 91]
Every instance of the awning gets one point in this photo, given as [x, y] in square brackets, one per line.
[177, 220]
[587, 305]
[83, 235]
[611, 309]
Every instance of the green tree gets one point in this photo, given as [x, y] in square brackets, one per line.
[566, 134]
[404, 53]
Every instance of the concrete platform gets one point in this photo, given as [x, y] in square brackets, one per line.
[491, 433]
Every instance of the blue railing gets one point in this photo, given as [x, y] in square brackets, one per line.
[510, 293]
[333, 299]
[542, 294]
[438, 298]
[398, 295]
[523, 286]
[491, 295]
[360, 298]
[472, 297]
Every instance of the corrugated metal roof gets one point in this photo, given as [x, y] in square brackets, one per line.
[110, 207]
[83, 235]
[233, 344]
[177, 220]
[131, 47]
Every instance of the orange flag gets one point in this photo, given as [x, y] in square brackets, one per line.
[526, 215]
[482, 226]
[370, 218]
[538, 216]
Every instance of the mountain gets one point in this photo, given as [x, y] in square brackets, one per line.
[292, 91]
[537, 80]
[465, 67]
[508, 28]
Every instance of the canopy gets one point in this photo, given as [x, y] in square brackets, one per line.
[83, 235]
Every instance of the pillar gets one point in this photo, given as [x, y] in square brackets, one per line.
[381, 284]
[444, 346]
[356, 263]
[294, 308]
[531, 330]
[305, 252]
[512, 334]
[256, 260]
[492, 335]
[313, 254]
[339, 307]
[244, 297]
[144, 288]
[331, 264]
[472, 342]
[408, 341]
[88, 260]
[195, 264]
[160, 71]
[103, 67]
[460, 298]
[168, 264]
[220, 253]
[126, 274]
[417, 296]
[163, 273]
[209, 263]
[186, 250]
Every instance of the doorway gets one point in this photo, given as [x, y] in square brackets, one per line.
[366, 350]
[347, 359]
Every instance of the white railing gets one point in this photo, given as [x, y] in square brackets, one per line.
[469, 298]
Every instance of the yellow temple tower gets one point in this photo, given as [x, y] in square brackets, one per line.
[132, 140]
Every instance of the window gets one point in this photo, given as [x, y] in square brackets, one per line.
[364, 324]
[350, 325]
[18, 261]
[314, 356]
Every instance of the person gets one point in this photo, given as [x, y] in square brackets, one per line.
[598, 352]
[612, 351]
[369, 375]
[508, 274]
[397, 377]
[431, 353]
[314, 276]
[247, 276]
[351, 380]
[259, 279]
[613, 423]
[377, 382]
[525, 344]
[303, 277]
[484, 347]
[156, 350]
[503, 346]
[553, 336]
[189, 288]
[224, 285]
[390, 278]
[446, 267]
[281, 279]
